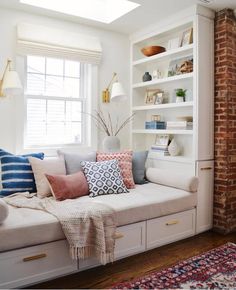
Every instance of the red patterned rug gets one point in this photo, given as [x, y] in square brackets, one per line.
[215, 269]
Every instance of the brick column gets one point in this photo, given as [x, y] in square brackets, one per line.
[225, 122]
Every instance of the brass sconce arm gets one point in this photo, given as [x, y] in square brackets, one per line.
[106, 92]
[8, 66]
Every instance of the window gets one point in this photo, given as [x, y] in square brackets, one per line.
[55, 101]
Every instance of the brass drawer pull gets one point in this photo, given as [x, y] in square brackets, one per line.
[175, 222]
[118, 236]
[36, 257]
[206, 168]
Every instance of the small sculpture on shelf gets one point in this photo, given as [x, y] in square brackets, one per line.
[174, 149]
[186, 67]
[180, 66]
[147, 77]
[157, 74]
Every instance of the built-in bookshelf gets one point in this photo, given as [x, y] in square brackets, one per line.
[168, 109]
[196, 140]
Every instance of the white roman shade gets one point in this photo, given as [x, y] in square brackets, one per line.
[50, 42]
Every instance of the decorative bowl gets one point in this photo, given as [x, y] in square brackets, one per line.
[152, 50]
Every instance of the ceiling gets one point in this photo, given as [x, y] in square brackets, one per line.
[148, 13]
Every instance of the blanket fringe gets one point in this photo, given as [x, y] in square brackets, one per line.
[87, 252]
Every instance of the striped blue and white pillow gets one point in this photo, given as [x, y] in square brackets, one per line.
[16, 173]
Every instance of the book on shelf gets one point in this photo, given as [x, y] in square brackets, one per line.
[160, 150]
[154, 125]
[160, 153]
[159, 147]
[179, 125]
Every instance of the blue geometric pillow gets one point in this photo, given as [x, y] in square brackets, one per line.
[16, 173]
[103, 177]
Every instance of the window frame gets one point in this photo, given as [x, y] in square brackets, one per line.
[84, 79]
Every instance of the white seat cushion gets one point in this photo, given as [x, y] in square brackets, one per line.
[25, 227]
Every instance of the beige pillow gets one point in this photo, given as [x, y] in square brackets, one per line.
[47, 166]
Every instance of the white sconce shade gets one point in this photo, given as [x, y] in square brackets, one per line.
[114, 91]
[11, 85]
[117, 93]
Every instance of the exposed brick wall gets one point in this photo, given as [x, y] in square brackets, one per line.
[225, 122]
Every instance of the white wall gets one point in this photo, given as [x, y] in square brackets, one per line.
[115, 59]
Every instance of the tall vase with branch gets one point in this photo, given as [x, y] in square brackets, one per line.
[104, 123]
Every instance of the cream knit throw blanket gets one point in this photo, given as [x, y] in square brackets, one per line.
[88, 226]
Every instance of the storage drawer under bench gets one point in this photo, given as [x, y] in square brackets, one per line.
[167, 229]
[30, 265]
[130, 240]
[34, 264]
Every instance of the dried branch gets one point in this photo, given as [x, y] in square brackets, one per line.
[126, 122]
[106, 123]
[110, 122]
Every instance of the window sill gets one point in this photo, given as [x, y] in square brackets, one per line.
[52, 151]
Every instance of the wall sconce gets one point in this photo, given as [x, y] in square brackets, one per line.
[10, 85]
[114, 91]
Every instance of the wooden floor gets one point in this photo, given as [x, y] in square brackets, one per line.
[141, 264]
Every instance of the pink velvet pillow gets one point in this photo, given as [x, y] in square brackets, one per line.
[125, 162]
[68, 186]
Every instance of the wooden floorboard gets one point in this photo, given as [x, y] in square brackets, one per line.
[139, 265]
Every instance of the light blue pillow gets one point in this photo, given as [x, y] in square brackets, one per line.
[73, 160]
[138, 167]
[16, 173]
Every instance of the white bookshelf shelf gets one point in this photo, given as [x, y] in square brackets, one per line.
[182, 159]
[163, 106]
[162, 131]
[169, 54]
[163, 80]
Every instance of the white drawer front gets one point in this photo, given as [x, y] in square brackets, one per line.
[88, 263]
[130, 240]
[32, 264]
[170, 228]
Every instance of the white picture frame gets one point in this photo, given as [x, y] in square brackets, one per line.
[162, 140]
[159, 98]
[187, 37]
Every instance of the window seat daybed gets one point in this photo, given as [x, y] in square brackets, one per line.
[27, 227]
[34, 247]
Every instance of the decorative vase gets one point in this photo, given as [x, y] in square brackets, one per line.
[111, 144]
[174, 148]
[147, 77]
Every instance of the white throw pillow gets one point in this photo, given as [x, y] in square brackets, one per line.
[47, 166]
[4, 211]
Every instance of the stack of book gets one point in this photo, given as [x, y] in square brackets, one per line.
[160, 150]
[179, 125]
[155, 125]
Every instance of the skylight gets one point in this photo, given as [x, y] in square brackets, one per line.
[105, 11]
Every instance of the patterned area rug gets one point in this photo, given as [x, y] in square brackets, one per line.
[215, 269]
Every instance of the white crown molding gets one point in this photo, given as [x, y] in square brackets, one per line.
[183, 16]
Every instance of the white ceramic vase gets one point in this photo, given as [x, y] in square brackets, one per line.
[111, 144]
[174, 148]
